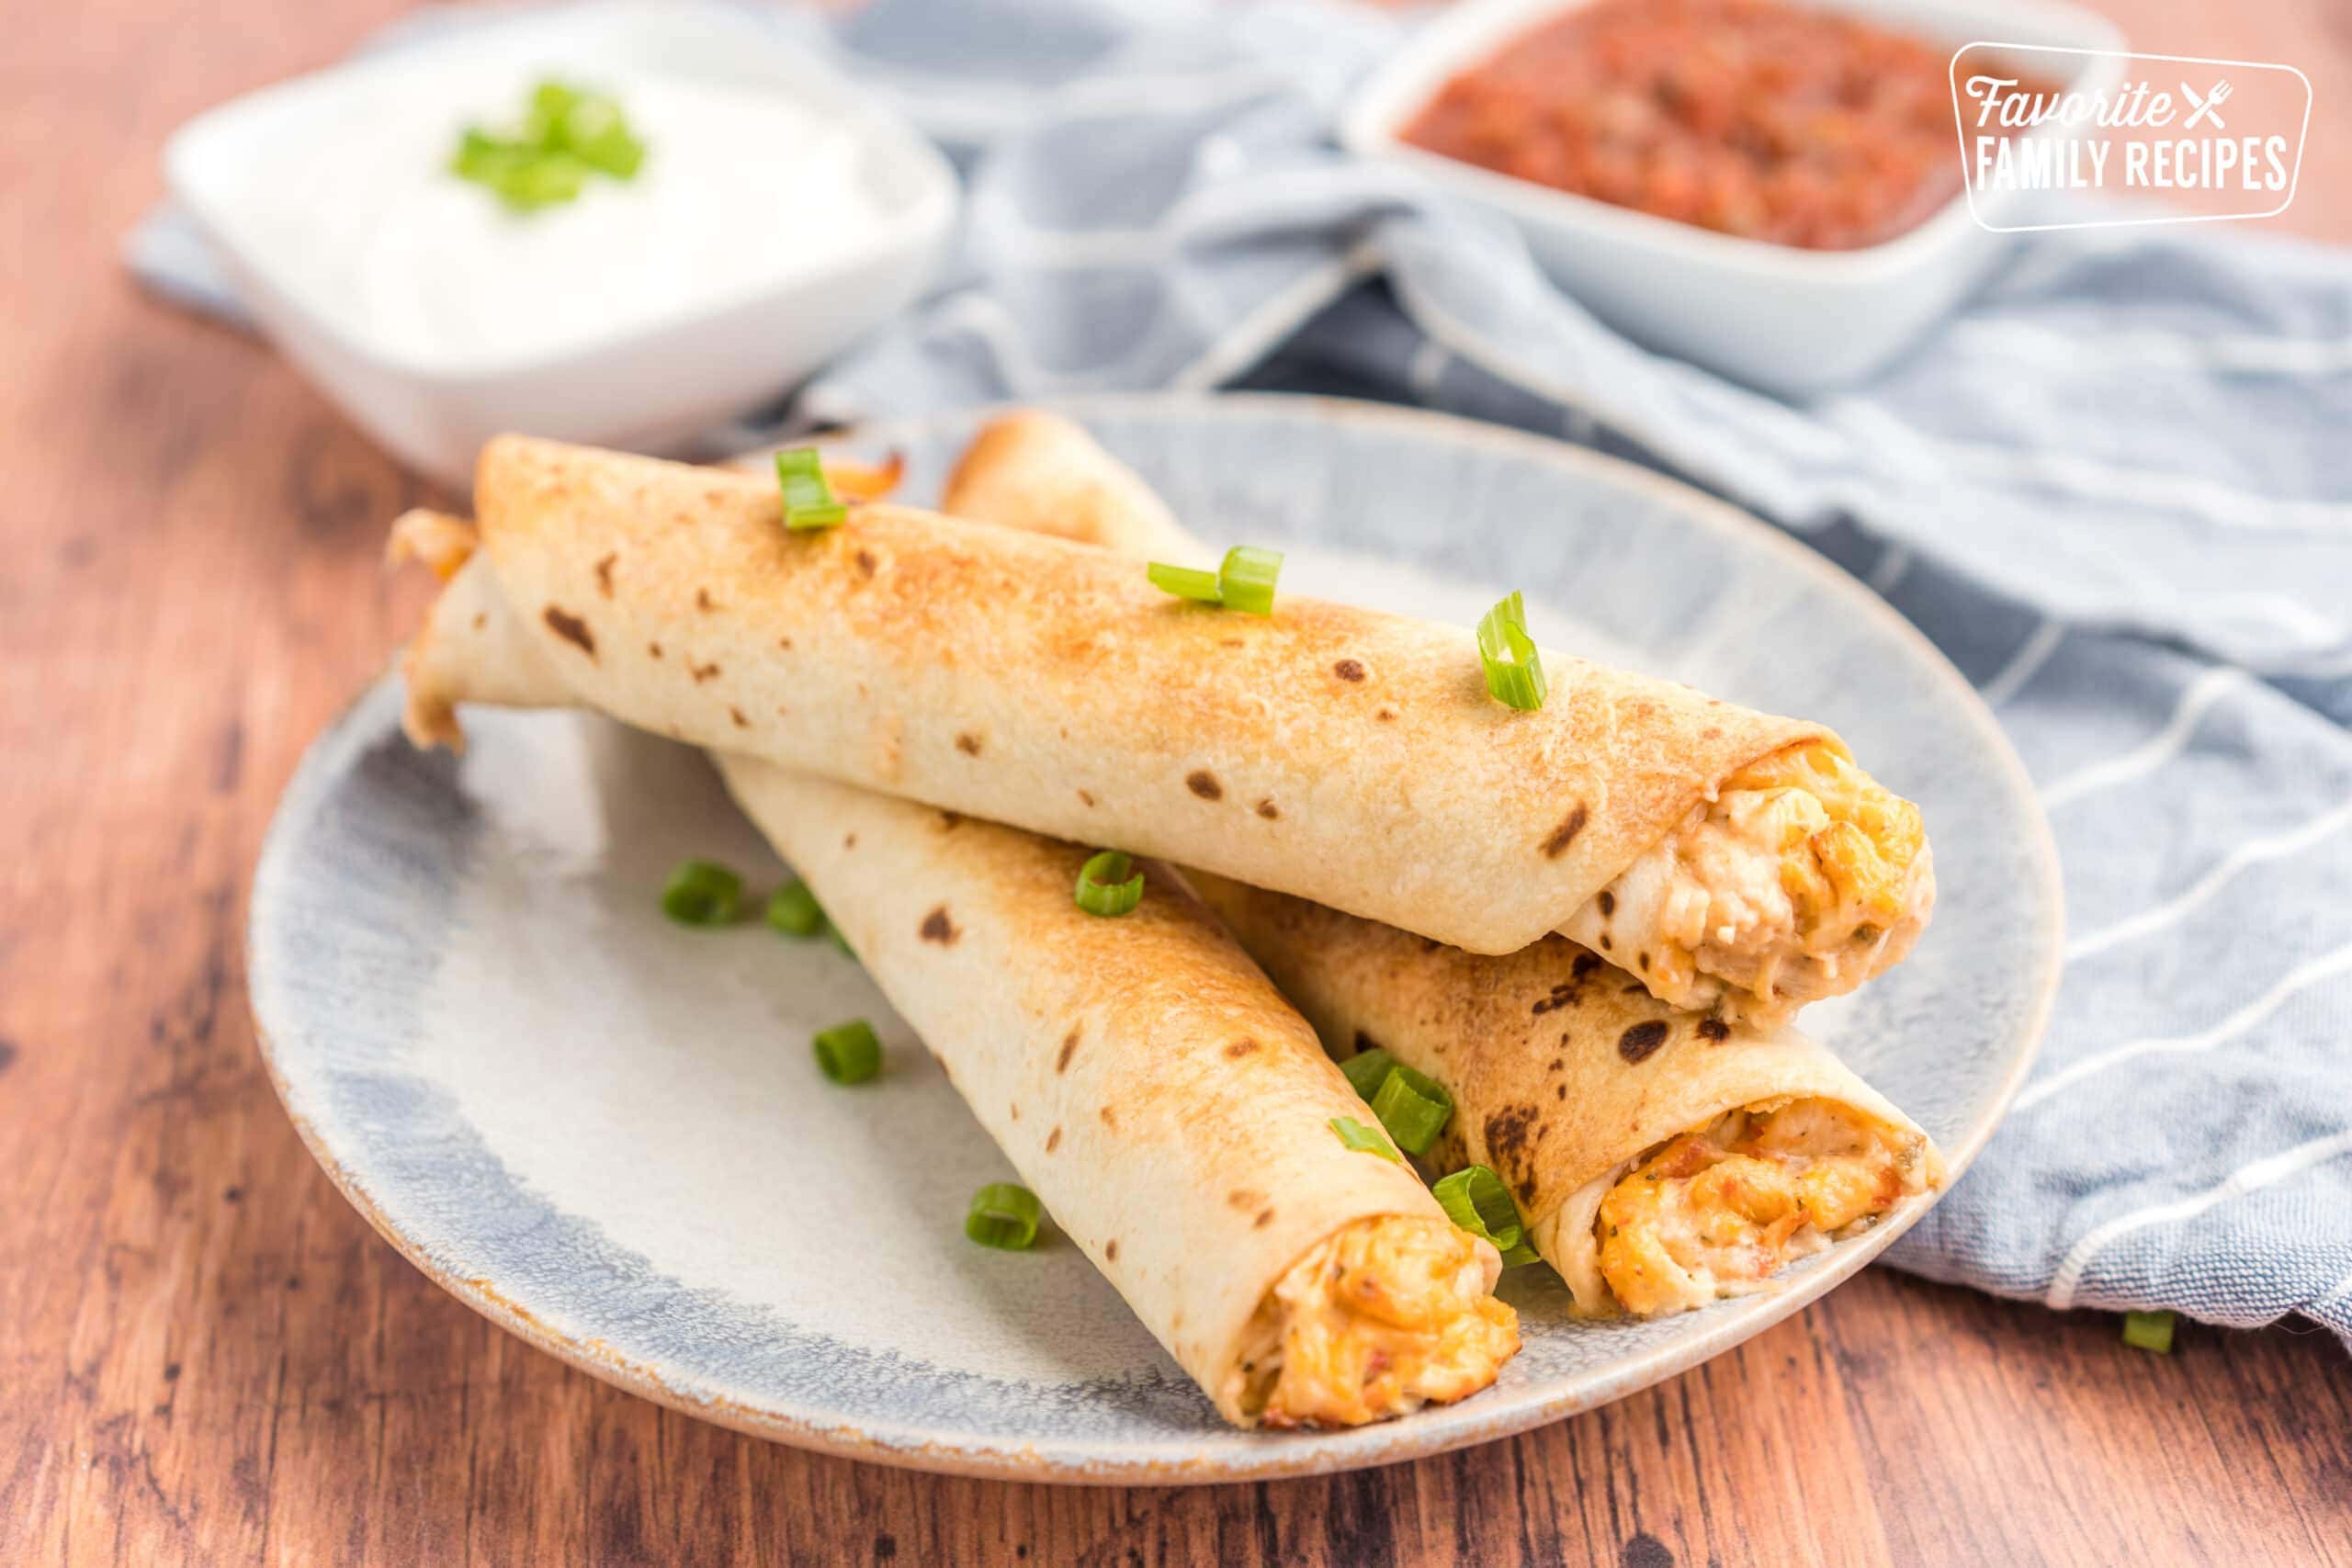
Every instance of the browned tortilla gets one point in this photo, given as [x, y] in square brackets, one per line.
[1562, 1067]
[1341, 754]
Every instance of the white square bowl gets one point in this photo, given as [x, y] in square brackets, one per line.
[647, 387]
[1790, 321]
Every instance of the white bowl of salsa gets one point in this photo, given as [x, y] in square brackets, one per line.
[1768, 188]
[777, 214]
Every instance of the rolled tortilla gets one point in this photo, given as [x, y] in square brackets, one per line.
[1573, 1084]
[1173, 1114]
[1341, 754]
[1171, 1110]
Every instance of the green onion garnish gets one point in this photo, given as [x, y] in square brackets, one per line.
[2149, 1331]
[1414, 1107]
[1362, 1139]
[1245, 580]
[568, 135]
[1514, 670]
[848, 1052]
[809, 503]
[1185, 581]
[702, 893]
[1105, 888]
[589, 126]
[1476, 1199]
[1004, 1215]
[793, 910]
[1367, 1070]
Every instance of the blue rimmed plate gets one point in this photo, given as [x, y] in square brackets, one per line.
[605, 1132]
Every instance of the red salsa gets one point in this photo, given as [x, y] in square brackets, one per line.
[1748, 116]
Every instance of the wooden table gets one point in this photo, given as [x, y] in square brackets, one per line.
[207, 1357]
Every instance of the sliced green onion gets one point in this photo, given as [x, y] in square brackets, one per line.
[1185, 581]
[1362, 1139]
[1414, 1107]
[1367, 1070]
[1476, 1199]
[1004, 1215]
[702, 893]
[809, 503]
[848, 1052]
[2149, 1331]
[1105, 888]
[567, 135]
[1514, 669]
[1245, 580]
[793, 910]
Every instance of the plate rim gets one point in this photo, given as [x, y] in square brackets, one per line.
[1094, 1462]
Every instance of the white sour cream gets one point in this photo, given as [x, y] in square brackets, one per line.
[740, 191]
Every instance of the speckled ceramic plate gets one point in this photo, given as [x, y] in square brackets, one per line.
[604, 1133]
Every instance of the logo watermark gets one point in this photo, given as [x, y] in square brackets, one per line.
[2225, 135]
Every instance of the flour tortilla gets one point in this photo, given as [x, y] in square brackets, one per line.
[1169, 1108]
[1562, 1067]
[1341, 754]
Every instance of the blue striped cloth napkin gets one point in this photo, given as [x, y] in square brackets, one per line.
[2117, 490]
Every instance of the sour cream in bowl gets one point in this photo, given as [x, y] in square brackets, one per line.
[776, 214]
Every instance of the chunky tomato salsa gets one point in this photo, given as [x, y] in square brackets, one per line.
[1748, 116]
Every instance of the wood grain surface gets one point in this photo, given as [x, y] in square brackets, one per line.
[206, 1356]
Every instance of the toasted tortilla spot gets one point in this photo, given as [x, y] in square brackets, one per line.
[1566, 833]
[1245, 1196]
[968, 743]
[1110, 1118]
[1715, 1028]
[1265, 1218]
[865, 563]
[1084, 798]
[572, 630]
[701, 672]
[1385, 715]
[937, 927]
[1608, 902]
[1203, 782]
[1585, 965]
[1268, 810]
[481, 619]
[737, 714]
[1512, 1134]
[605, 573]
[1053, 1140]
[1110, 1250]
[702, 599]
[1240, 1048]
[1348, 669]
[654, 649]
[1641, 1041]
[1069, 1049]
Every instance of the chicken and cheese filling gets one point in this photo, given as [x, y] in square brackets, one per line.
[1716, 1212]
[1803, 878]
[1379, 1318]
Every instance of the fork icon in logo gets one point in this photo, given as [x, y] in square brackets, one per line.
[2206, 106]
